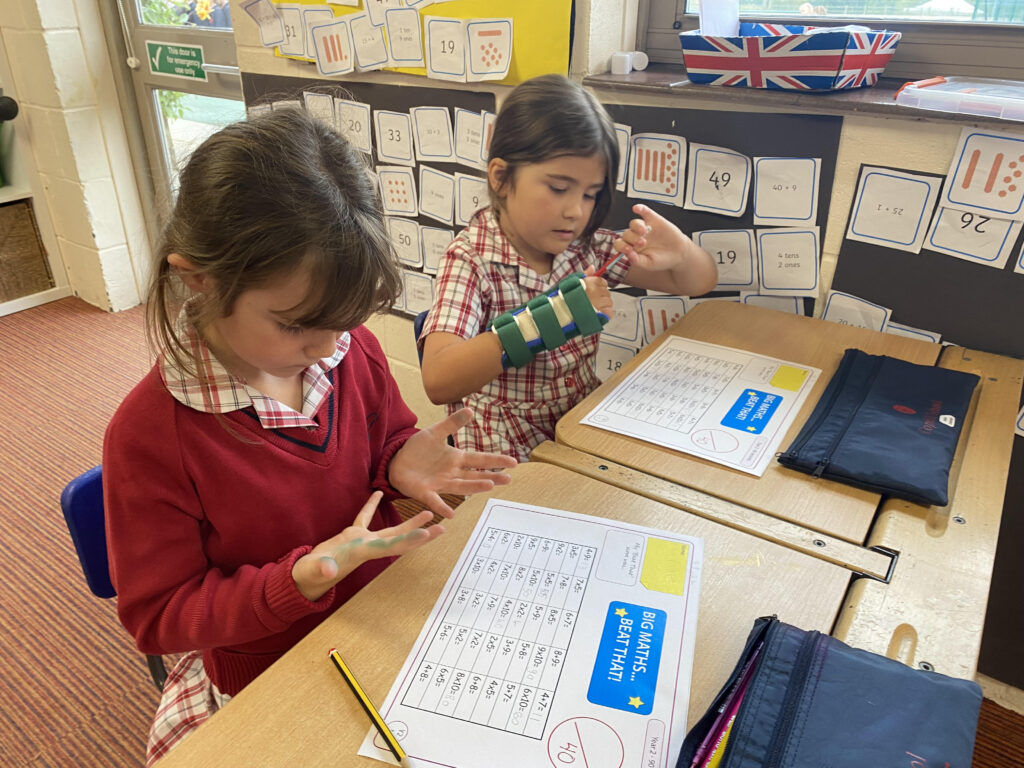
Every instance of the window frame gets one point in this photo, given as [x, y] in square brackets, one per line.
[926, 49]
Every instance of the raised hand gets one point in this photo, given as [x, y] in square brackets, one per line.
[334, 559]
[652, 241]
[426, 466]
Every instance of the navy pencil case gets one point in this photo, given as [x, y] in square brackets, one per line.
[886, 425]
[807, 700]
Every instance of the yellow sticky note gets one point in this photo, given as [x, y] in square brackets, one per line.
[664, 567]
[789, 377]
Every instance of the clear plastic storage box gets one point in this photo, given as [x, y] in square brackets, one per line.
[969, 95]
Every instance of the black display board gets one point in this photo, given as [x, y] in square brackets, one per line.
[754, 134]
[969, 304]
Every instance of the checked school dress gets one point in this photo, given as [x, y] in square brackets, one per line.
[482, 276]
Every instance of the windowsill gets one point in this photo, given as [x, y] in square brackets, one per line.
[878, 100]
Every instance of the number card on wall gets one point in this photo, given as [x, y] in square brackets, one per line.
[489, 48]
[404, 38]
[405, 237]
[433, 130]
[332, 47]
[898, 329]
[268, 20]
[446, 48]
[655, 167]
[377, 10]
[435, 243]
[717, 180]
[368, 40]
[892, 208]
[845, 309]
[397, 190]
[437, 194]
[294, 40]
[394, 137]
[792, 304]
[622, 135]
[786, 190]
[625, 320]
[788, 261]
[973, 237]
[321, 106]
[734, 253]
[468, 137]
[1019, 266]
[470, 197]
[611, 357]
[659, 313]
[312, 17]
[419, 292]
[354, 123]
[987, 174]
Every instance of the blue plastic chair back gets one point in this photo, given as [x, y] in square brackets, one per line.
[417, 329]
[82, 504]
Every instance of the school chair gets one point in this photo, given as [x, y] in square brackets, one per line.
[82, 504]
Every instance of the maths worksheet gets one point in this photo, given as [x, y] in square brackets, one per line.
[559, 639]
[725, 405]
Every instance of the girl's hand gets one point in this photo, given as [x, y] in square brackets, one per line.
[652, 242]
[427, 466]
[598, 293]
[334, 559]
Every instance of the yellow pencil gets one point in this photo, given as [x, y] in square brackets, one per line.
[364, 700]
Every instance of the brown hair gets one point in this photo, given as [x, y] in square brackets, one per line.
[259, 200]
[551, 116]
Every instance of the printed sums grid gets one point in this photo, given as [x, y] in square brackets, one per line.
[674, 390]
[497, 654]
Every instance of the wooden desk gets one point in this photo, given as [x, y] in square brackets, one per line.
[300, 712]
[823, 505]
[925, 604]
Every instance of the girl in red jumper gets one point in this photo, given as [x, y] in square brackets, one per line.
[248, 479]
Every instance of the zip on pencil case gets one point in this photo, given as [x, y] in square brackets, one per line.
[886, 425]
[813, 701]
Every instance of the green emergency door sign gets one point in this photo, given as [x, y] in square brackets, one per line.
[175, 60]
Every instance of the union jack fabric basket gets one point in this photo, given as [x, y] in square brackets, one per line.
[784, 57]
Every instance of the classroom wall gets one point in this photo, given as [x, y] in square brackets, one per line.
[61, 69]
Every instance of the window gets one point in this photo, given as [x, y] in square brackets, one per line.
[981, 38]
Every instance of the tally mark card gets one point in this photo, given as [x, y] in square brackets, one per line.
[892, 208]
[656, 163]
[435, 242]
[394, 137]
[470, 196]
[354, 123]
[847, 309]
[405, 237]
[659, 313]
[786, 190]
[987, 174]
[788, 261]
[622, 135]
[469, 137]
[332, 48]
[437, 194]
[368, 40]
[717, 181]
[404, 38]
[397, 190]
[268, 20]
[973, 237]
[435, 141]
[735, 254]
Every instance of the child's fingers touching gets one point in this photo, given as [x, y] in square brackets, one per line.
[478, 461]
